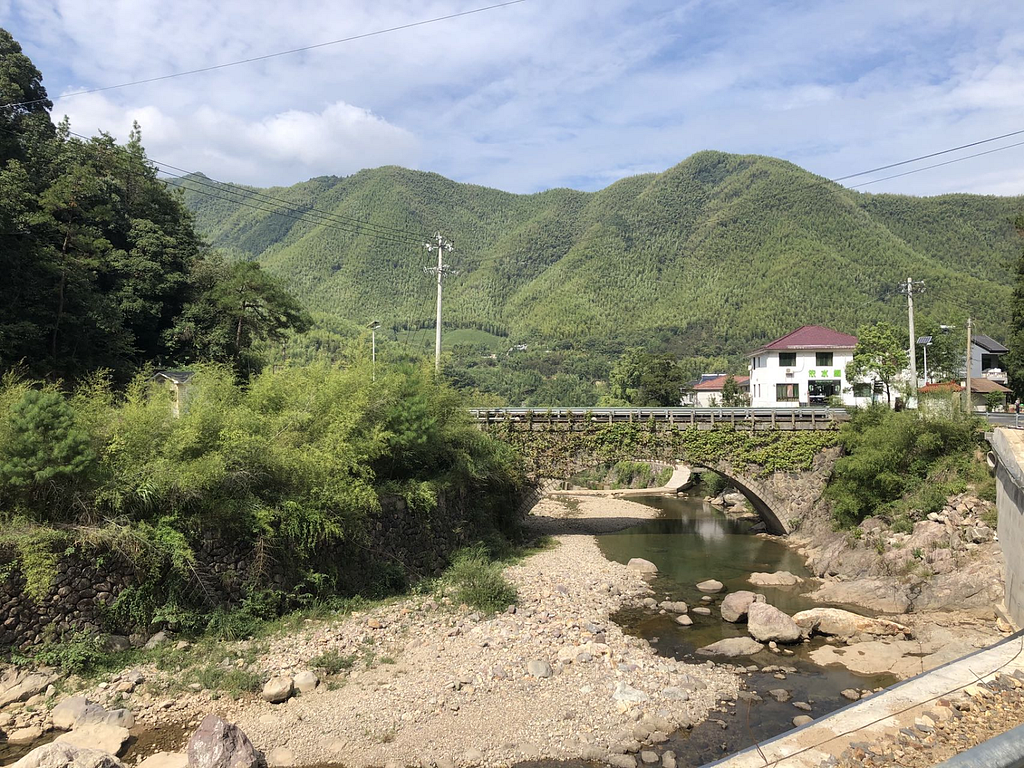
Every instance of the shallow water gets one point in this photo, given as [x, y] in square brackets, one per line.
[692, 541]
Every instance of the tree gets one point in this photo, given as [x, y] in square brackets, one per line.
[233, 307]
[880, 354]
[644, 379]
[732, 395]
[1014, 359]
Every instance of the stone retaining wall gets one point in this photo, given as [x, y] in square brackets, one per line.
[401, 546]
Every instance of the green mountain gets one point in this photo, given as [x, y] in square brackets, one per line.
[710, 257]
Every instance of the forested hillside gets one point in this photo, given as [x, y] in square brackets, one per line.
[708, 258]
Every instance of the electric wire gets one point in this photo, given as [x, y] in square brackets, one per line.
[274, 55]
[937, 165]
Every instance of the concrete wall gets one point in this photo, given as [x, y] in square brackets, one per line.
[1008, 446]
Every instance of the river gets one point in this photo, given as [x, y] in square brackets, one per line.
[692, 541]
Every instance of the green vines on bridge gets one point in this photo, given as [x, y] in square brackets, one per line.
[556, 446]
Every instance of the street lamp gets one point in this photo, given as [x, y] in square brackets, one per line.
[373, 346]
[924, 342]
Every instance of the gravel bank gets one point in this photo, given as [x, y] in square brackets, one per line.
[438, 684]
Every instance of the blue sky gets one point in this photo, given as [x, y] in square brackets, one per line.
[544, 94]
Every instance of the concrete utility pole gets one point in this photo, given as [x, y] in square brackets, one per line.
[373, 346]
[911, 287]
[442, 244]
[967, 372]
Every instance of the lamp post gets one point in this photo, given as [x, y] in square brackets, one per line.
[924, 343]
[373, 346]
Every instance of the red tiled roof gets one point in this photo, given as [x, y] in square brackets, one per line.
[715, 385]
[811, 337]
[979, 386]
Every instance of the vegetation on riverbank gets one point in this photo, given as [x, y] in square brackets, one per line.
[295, 467]
[902, 466]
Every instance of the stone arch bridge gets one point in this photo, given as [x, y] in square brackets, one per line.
[779, 460]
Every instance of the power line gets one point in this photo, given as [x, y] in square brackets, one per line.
[935, 165]
[277, 54]
[925, 157]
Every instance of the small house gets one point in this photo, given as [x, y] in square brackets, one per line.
[706, 392]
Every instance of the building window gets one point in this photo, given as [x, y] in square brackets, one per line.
[787, 359]
[862, 390]
[990, 361]
[823, 359]
[787, 392]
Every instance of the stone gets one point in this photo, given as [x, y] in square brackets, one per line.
[732, 646]
[843, 624]
[108, 738]
[781, 695]
[628, 694]
[802, 705]
[684, 621]
[621, 761]
[802, 720]
[219, 744]
[668, 760]
[116, 643]
[874, 658]
[165, 760]
[644, 566]
[280, 757]
[156, 640]
[21, 684]
[735, 604]
[734, 499]
[851, 694]
[306, 682]
[66, 714]
[473, 756]
[25, 735]
[278, 689]
[649, 757]
[710, 585]
[539, 668]
[673, 606]
[675, 693]
[776, 579]
[62, 755]
[702, 611]
[766, 622]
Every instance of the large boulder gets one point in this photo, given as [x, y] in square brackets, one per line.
[68, 712]
[844, 624]
[219, 744]
[711, 585]
[777, 579]
[306, 681]
[766, 623]
[21, 684]
[109, 738]
[59, 754]
[278, 689]
[644, 566]
[735, 605]
[732, 646]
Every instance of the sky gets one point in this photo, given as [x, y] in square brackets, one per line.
[543, 93]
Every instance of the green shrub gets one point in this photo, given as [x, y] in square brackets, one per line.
[74, 653]
[712, 483]
[476, 580]
[332, 662]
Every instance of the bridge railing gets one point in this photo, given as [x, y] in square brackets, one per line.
[750, 418]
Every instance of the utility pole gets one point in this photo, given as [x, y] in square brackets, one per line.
[373, 346]
[442, 244]
[967, 371]
[911, 287]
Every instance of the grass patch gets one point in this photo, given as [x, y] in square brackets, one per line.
[476, 580]
[332, 662]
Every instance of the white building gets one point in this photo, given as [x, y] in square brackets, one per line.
[805, 367]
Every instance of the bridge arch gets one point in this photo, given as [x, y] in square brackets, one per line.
[772, 521]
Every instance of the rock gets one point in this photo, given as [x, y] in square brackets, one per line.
[710, 585]
[278, 689]
[700, 610]
[874, 658]
[874, 594]
[649, 757]
[165, 760]
[644, 566]
[766, 622]
[668, 760]
[781, 695]
[735, 604]
[684, 621]
[621, 761]
[628, 694]
[280, 757]
[671, 606]
[734, 499]
[851, 694]
[25, 735]
[219, 744]
[66, 714]
[306, 682]
[156, 640]
[777, 579]
[62, 755]
[802, 705]
[120, 717]
[21, 684]
[539, 668]
[675, 693]
[802, 720]
[840, 623]
[732, 646]
[109, 738]
[116, 643]
[473, 756]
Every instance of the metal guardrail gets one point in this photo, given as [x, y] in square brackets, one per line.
[1003, 751]
[780, 417]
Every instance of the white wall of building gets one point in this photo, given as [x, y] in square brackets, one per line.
[804, 372]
